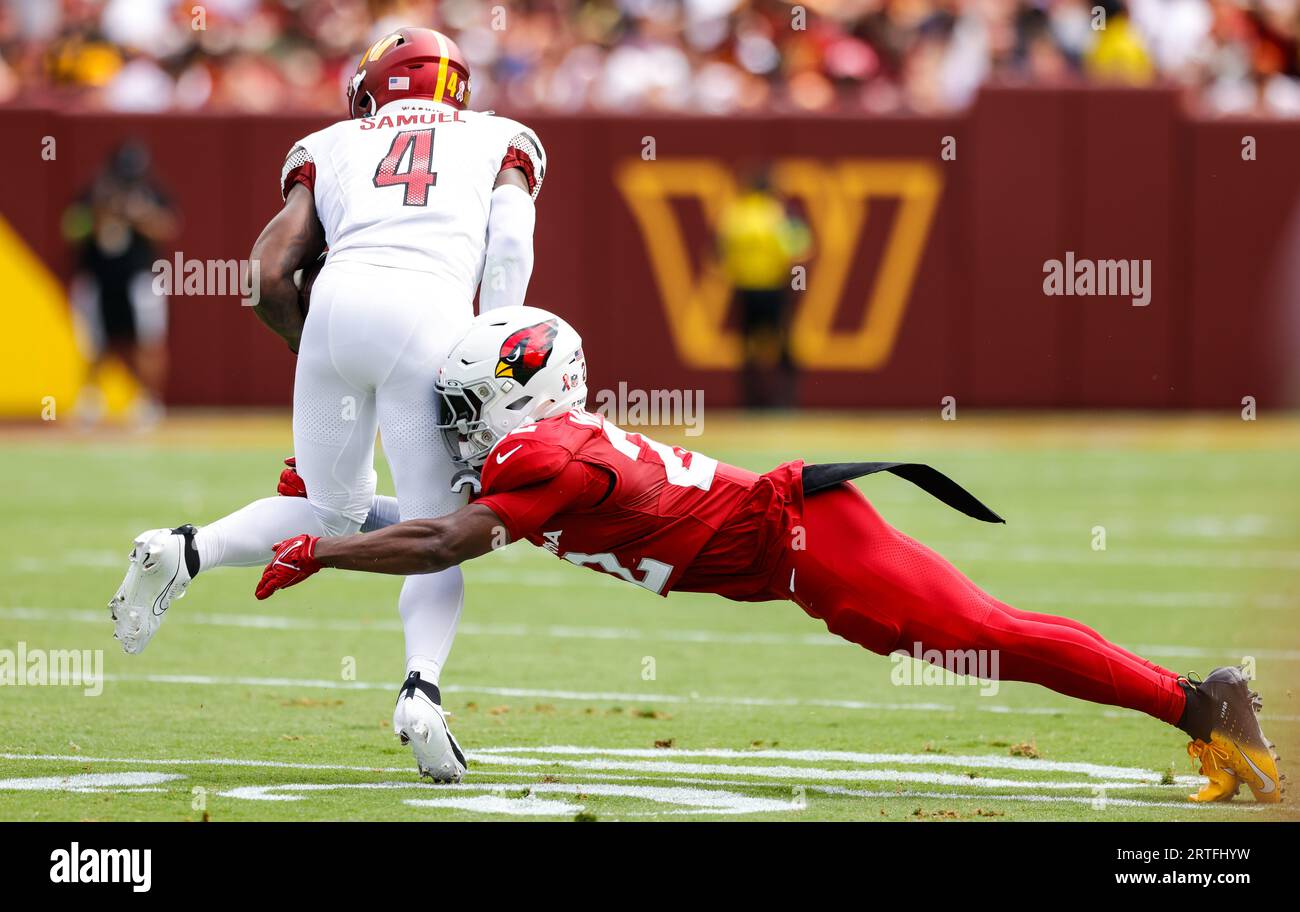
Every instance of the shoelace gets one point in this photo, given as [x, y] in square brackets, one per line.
[1214, 757]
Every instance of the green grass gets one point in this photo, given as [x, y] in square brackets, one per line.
[1201, 568]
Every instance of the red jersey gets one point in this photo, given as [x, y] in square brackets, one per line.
[660, 517]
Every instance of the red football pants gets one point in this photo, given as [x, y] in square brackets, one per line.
[873, 585]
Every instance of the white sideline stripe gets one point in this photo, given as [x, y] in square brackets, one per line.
[569, 632]
[252, 621]
[983, 761]
[908, 793]
[623, 697]
[524, 807]
[1007, 762]
[802, 773]
[211, 761]
[90, 782]
[698, 800]
[665, 762]
[1107, 802]
[1182, 805]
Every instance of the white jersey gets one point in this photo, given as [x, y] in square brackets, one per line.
[411, 186]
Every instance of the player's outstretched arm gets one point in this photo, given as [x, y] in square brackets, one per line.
[508, 263]
[407, 548]
[416, 546]
[289, 242]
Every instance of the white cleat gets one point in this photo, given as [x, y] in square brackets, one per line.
[418, 720]
[156, 576]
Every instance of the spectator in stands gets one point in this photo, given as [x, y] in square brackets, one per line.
[716, 56]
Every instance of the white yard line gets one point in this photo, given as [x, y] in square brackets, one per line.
[578, 632]
[1099, 803]
[803, 773]
[687, 794]
[89, 782]
[669, 760]
[969, 761]
[632, 697]
[210, 761]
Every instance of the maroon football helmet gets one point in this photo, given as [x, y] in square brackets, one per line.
[409, 63]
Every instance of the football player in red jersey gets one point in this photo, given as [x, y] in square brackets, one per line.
[668, 519]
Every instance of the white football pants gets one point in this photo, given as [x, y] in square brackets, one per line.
[370, 352]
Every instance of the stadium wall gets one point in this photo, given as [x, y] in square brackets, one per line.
[927, 280]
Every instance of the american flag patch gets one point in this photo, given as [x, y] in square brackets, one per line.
[399, 82]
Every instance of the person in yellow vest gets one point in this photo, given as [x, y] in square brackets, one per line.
[1119, 55]
[759, 242]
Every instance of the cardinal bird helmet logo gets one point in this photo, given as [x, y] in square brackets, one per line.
[526, 351]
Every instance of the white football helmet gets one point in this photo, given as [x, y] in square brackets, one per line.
[514, 366]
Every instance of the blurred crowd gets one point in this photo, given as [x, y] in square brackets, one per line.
[713, 56]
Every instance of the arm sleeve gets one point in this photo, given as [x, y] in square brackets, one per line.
[525, 152]
[508, 264]
[299, 168]
[524, 511]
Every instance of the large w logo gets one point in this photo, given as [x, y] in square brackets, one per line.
[836, 197]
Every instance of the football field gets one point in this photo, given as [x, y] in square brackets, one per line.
[577, 696]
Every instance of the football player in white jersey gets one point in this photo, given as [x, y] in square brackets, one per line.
[419, 202]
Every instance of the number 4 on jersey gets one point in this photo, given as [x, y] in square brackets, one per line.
[418, 175]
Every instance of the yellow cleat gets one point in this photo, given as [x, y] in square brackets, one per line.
[1223, 782]
[1253, 763]
[1226, 708]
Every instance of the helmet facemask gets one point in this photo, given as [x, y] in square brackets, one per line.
[465, 432]
[517, 366]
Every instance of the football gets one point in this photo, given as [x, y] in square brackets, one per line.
[306, 277]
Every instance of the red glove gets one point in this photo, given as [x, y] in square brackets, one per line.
[291, 483]
[294, 561]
